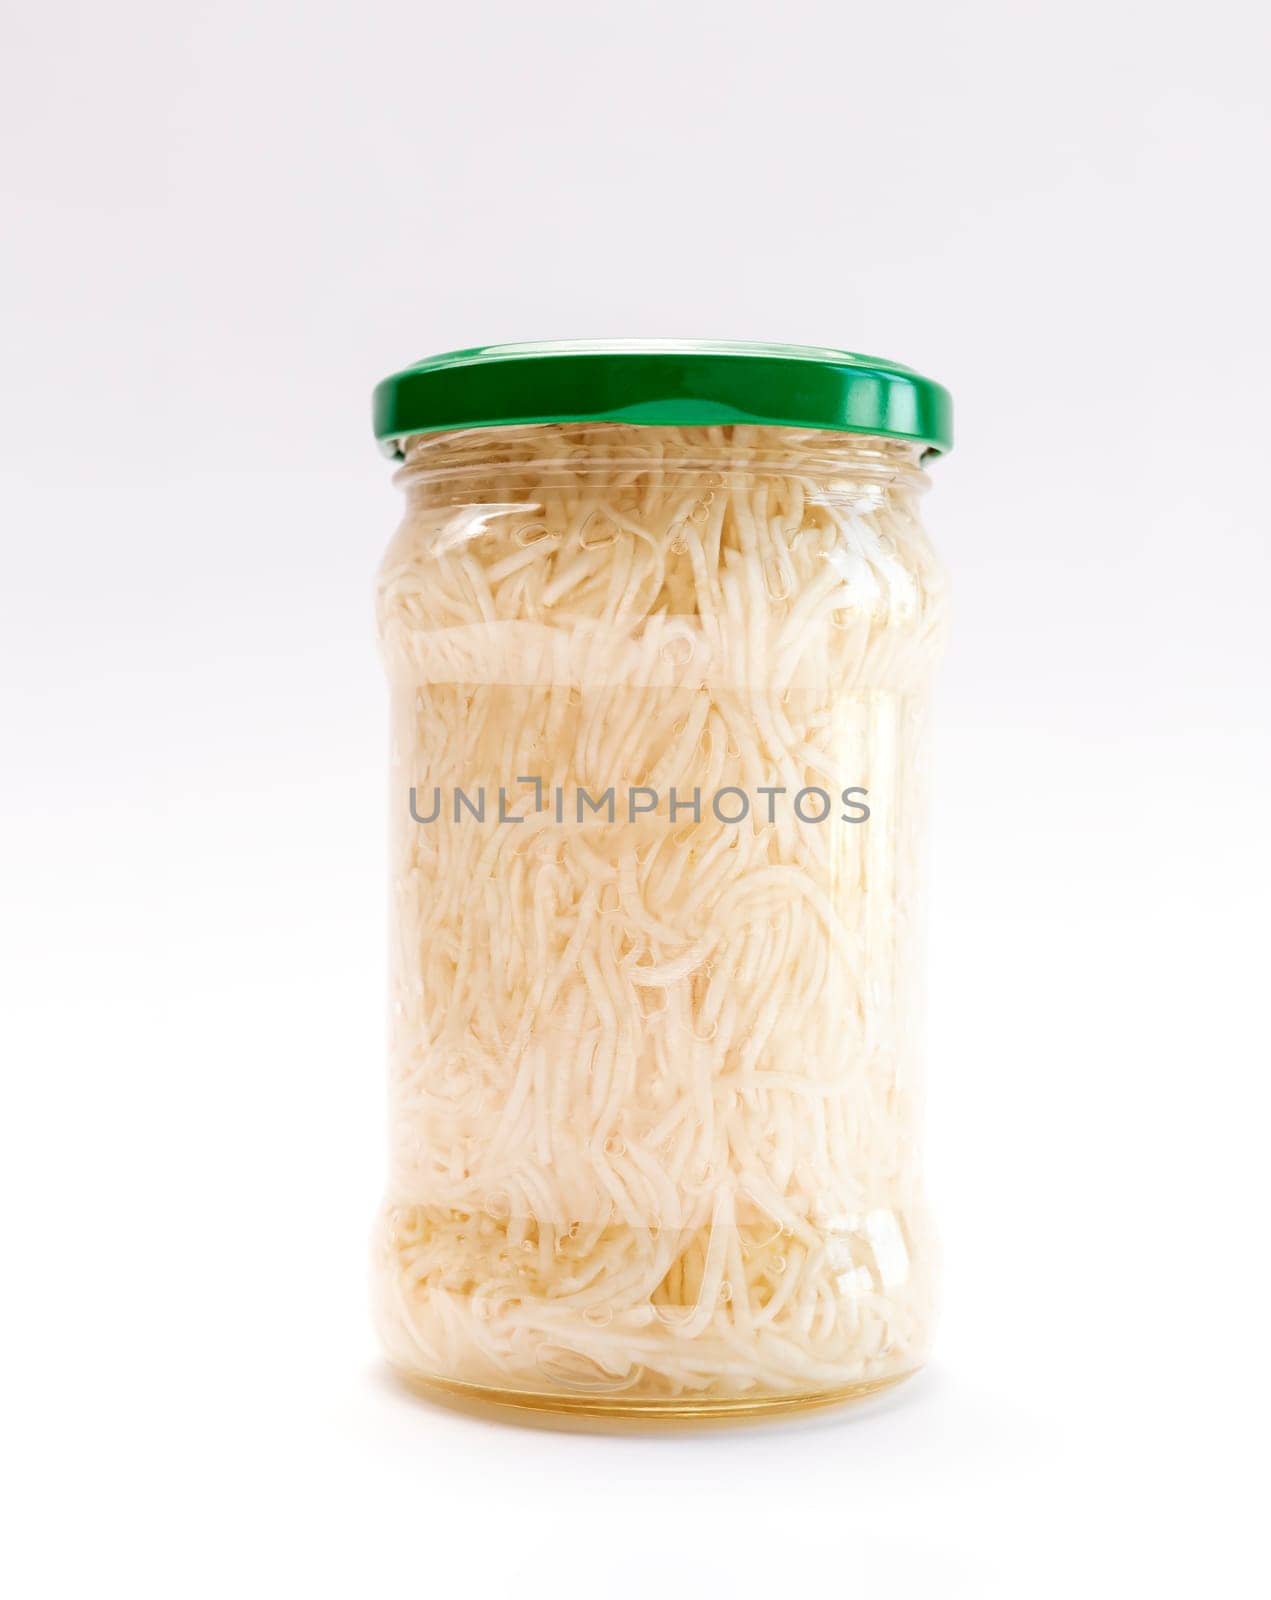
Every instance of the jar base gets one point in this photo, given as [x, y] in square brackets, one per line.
[577, 1412]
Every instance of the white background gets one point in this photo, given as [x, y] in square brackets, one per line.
[226, 221]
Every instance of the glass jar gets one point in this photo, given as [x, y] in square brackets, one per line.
[660, 652]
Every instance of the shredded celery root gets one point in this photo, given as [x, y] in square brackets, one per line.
[654, 1082]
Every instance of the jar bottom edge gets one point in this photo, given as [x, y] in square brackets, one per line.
[584, 1413]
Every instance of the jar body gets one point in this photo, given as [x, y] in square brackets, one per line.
[659, 710]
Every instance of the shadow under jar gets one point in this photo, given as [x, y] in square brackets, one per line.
[659, 749]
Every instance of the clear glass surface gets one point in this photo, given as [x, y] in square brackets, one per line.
[659, 751]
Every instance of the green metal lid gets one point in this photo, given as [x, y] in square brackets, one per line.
[669, 383]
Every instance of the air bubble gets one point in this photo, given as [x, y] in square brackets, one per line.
[598, 532]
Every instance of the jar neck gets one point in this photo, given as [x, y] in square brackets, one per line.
[479, 463]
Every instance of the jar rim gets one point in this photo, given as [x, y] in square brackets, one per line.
[662, 383]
